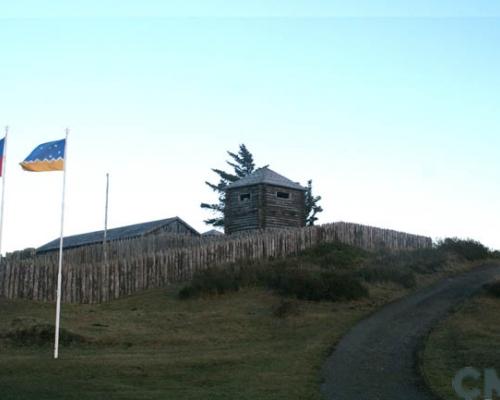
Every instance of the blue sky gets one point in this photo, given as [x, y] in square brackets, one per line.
[394, 118]
[255, 8]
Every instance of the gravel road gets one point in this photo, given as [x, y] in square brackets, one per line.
[377, 358]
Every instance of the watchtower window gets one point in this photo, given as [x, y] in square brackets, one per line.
[244, 197]
[283, 195]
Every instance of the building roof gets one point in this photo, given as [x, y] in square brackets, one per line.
[124, 232]
[265, 175]
[212, 232]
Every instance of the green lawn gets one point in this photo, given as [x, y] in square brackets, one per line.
[468, 338]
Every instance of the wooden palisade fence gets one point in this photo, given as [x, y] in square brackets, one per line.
[156, 261]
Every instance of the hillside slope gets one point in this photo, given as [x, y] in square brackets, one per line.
[249, 344]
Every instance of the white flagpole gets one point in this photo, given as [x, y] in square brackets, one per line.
[59, 274]
[106, 222]
[4, 167]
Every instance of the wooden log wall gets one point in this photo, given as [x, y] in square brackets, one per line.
[156, 261]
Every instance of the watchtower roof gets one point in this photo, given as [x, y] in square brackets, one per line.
[268, 176]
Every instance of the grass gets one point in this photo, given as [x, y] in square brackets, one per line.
[239, 339]
[469, 337]
[246, 345]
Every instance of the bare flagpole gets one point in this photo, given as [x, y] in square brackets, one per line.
[106, 222]
[59, 273]
[4, 167]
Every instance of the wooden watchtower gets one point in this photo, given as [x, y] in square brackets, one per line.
[264, 199]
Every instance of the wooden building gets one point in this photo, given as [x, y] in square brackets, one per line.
[169, 225]
[264, 199]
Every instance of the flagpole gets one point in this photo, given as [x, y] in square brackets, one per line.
[4, 167]
[59, 273]
[106, 222]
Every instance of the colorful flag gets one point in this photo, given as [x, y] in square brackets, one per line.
[46, 157]
[2, 155]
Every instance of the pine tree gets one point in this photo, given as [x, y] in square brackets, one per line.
[312, 206]
[243, 165]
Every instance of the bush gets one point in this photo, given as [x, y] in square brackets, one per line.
[316, 286]
[329, 271]
[286, 308]
[209, 282]
[403, 277]
[425, 261]
[28, 332]
[334, 255]
[493, 289]
[400, 267]
[469, 249]
[283, 277]
[420, 261]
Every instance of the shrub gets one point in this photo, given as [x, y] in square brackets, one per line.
[343, 287]
[420, 261]
[305, 277]
[286, 308]
[469, 249]
[400, 267]
[334, 255]
[403, 277]
[211, 281]
[493, 289]
[316, 286]
[425, 261]
[28, 332]
[284, 277]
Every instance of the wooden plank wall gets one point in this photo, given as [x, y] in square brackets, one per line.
[243, 215]
[281, 213]
[157, 261]
[264, 209]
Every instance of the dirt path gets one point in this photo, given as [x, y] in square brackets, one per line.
[377, 358]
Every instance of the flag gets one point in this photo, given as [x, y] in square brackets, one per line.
[46, 157]
[2, 155]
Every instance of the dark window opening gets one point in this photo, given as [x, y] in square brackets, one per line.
[283, 195]
[245, 197]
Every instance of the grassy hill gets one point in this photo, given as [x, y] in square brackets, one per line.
[256, 337]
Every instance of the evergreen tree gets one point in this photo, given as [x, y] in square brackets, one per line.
[312, 206]
[243, 165]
